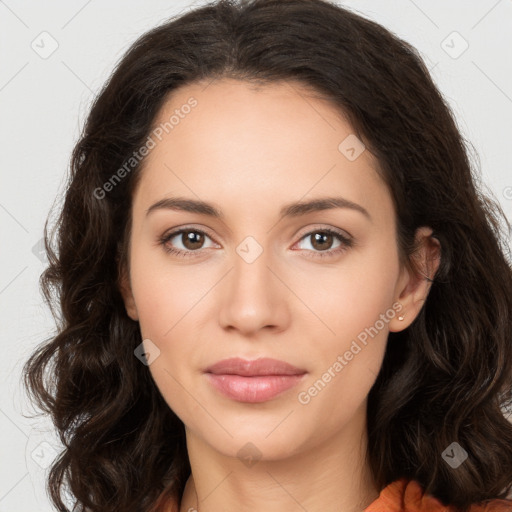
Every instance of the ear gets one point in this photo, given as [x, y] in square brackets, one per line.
[412, 288]
[126, 292]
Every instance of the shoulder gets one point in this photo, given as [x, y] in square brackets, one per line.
[408, 496]
[492, 506]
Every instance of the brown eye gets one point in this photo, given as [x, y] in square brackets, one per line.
[192, 239]
[321, 243]
[322, 240]
[185, 242]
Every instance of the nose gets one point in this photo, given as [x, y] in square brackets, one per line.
[254, 296]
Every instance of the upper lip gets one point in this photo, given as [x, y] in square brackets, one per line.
[248, 368]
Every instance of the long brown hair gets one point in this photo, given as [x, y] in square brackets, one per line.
[445, 379]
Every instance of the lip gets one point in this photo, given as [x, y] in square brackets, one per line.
[253, 368]
[253, 381]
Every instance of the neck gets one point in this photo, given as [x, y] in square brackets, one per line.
[331, 476]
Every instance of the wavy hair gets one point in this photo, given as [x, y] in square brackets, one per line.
[447, 378]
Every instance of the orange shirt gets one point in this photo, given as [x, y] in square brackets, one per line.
[407, 496]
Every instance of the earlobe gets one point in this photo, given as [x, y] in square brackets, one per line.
[413, 286]
[127, 294]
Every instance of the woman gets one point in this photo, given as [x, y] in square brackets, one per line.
[280, 288]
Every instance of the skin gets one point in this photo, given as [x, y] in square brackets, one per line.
[249, 151]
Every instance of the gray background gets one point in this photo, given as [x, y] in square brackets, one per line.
[44, 100]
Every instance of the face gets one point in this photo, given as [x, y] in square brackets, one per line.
[316, 288]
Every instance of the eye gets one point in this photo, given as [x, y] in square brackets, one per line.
[322, 241]
[191, 239]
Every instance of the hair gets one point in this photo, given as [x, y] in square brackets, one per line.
[446, 378]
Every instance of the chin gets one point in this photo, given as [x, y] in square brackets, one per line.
[259, 440]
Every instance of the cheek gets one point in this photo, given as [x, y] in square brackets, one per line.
[352, 298]
[356, 305]
[166, 295]
[170, 300]
[348, 360]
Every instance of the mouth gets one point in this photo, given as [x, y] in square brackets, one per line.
[253, 381]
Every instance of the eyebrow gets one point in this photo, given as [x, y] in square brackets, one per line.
[295, 209]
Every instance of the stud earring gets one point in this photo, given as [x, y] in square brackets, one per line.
[401, 317]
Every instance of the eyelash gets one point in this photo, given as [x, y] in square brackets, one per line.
[346, 242]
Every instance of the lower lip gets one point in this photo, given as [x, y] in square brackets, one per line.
[253, 389]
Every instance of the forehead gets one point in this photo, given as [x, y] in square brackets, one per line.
[279, 141]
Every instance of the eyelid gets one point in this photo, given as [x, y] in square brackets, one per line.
[323, 227]
[179, 229]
